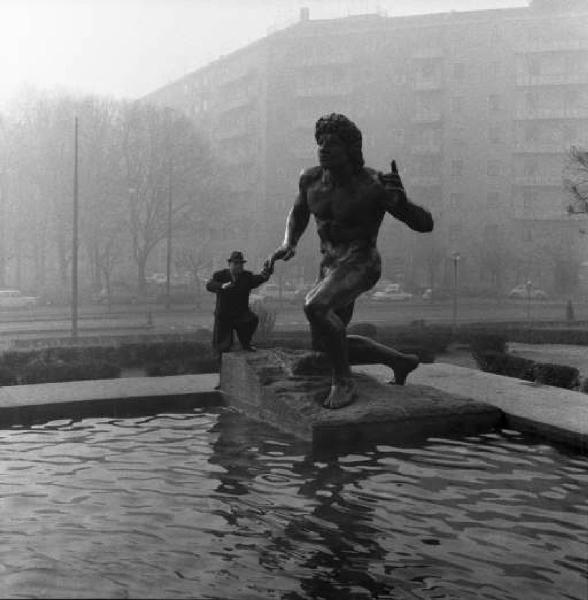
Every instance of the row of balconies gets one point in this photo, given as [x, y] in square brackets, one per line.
[341, 88]
[551, 180]
[545, 180]
[226, 133]
[551, 113]
[233, 102]
[427, 116]
[575, 77]
[426, 148]
[426, 83]
[541, 147]
[552, 45]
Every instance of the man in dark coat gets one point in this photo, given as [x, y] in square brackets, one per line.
[232, 287]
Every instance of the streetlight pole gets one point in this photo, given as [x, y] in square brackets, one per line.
[74, 260]
[169, 237]
[529, 286]
[455, 257]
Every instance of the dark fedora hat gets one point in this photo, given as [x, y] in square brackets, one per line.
[236, 256]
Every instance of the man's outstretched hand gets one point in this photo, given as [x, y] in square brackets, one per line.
[284, 252]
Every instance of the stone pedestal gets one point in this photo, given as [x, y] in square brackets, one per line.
[285, 388]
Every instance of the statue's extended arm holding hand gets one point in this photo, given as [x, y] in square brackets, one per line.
[296, 224]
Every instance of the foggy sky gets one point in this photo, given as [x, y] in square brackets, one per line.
[127, 48]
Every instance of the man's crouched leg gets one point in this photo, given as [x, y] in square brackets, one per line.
[245, 327]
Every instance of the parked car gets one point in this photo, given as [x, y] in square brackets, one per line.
[392, 292]
[15, 299]
[271, 291]
[120, 293]
[158, 278]
[255, 298]
[179, 293]
[524, 291]
[434, 294]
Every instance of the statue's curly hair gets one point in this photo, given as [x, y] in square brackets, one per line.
[347, 130]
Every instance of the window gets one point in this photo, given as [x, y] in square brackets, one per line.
[494, 135]
[491, 233]
[492, 200]
[528, 200]
[456, 200]
[459, 71]
[531, 133]
[457, 167]
[428, 70]
[457, 104]
[454, 232]
[530, 168]
[493, 168]
[493, 102]
[531, 101]
[534, 67]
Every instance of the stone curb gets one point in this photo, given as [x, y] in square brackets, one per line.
[556, 414]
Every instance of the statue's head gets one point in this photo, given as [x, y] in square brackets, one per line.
[339, 126]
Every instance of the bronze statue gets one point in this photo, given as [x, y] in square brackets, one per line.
[348, 202]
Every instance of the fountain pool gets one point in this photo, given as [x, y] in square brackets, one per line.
[208, 504]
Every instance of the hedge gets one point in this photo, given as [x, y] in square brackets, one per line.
[76, 363]
[503, 363]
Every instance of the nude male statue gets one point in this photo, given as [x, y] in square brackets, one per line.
[348, 202]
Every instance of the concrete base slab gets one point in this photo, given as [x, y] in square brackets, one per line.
[554, 413]
[262, 385]
[26, 404]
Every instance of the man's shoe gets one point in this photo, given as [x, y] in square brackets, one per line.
[249, 348]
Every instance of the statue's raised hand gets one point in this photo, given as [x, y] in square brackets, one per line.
[391, 181]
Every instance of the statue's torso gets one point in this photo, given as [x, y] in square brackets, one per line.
[346, 214]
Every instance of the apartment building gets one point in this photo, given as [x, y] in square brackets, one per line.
[478, 108]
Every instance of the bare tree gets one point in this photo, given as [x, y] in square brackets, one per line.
[576, 179]
[166, 164]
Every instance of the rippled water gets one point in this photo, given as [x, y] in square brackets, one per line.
[210, 505]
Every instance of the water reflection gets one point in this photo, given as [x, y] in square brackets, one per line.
[449, 519]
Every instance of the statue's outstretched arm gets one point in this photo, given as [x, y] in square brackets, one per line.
[296, 224]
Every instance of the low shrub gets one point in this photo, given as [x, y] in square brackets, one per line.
[505, 364]
[39, 370]
[8, 376]
[364, 329]
[186, 366]
[436, 339]
[558, 375]
[495, 342]
[267, 321]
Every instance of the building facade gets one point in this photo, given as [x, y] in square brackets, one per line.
[478, 108]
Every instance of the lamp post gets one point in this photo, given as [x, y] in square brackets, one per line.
[455, 257]
[529, 287]
[74, 261]
[169, 237]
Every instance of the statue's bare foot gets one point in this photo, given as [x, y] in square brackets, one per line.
[403, 368]
[342, 393]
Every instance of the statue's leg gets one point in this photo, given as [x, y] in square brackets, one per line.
[328, 306]
[365, 351]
